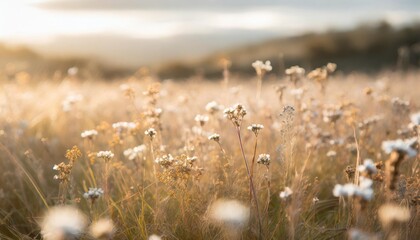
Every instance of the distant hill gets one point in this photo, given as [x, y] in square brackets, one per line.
[367, 48]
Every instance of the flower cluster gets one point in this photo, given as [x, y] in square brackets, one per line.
[295, 73]
[213, 107]
[121, 126]
[368, 167]
[201, 119]
[261, 67]
[235, 114]
[286, 193]
[401, 146]
[264, 159]
[93, 194]
[106, 155]
[90, 134]
[364, 190]
[255, 128]
[132, 153]
[165, 161]
[215, 137]
[70, 101]
[151, 132]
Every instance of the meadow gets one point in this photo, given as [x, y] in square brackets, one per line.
[308, 155]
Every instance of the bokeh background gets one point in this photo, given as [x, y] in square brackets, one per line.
[182, 38]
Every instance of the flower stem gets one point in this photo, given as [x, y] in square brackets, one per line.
[251, 182]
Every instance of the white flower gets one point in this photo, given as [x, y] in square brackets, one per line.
[256, 128]
[368, 166]
[132, 153]
[202, 119]
[107, 155]
[120, 126]
[415, 118]
[213, 107]
[63, 222]
[215, 137]
[151, 132]
[230, 212]
[55, 167]
[93, 193]
[102, 229]
[70, 100]
[72, 71]
[264, 159]
[89, 133]
[295, 70]
[404, 146]
[286, 193]
[364, 190]
[154, 237]
[297, 92]
[331, 153]
[165, 160]
[346, 190]
[261, 67]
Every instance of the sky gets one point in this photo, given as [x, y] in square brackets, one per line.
[218, 23]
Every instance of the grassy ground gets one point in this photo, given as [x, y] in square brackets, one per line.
[40, 123]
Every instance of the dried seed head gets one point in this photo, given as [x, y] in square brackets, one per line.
[264, 159]
[235, 114]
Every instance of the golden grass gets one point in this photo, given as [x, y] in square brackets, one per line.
[144, 198]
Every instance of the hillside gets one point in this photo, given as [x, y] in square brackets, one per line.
[367, 48]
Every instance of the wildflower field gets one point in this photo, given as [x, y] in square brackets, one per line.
[307, 154]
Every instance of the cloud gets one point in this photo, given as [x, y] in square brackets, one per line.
[102, 5]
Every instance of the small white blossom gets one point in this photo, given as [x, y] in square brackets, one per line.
[215, 137]
[120, 126]
[70, 100]
[286, 193]
[368, 166]
[255, 128]
[63, 222]
[132, 153]
[261, 67]
[201, 119]
[403, 146]
[264, 159]
[154, 237]
[230, 212]
[415, 119]
[151, 132]
[102, 229]
[331, 153]
[165, 160]
[93, 193]
[89, 134]
[295, 70]
[213, 107]
[107, 155]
